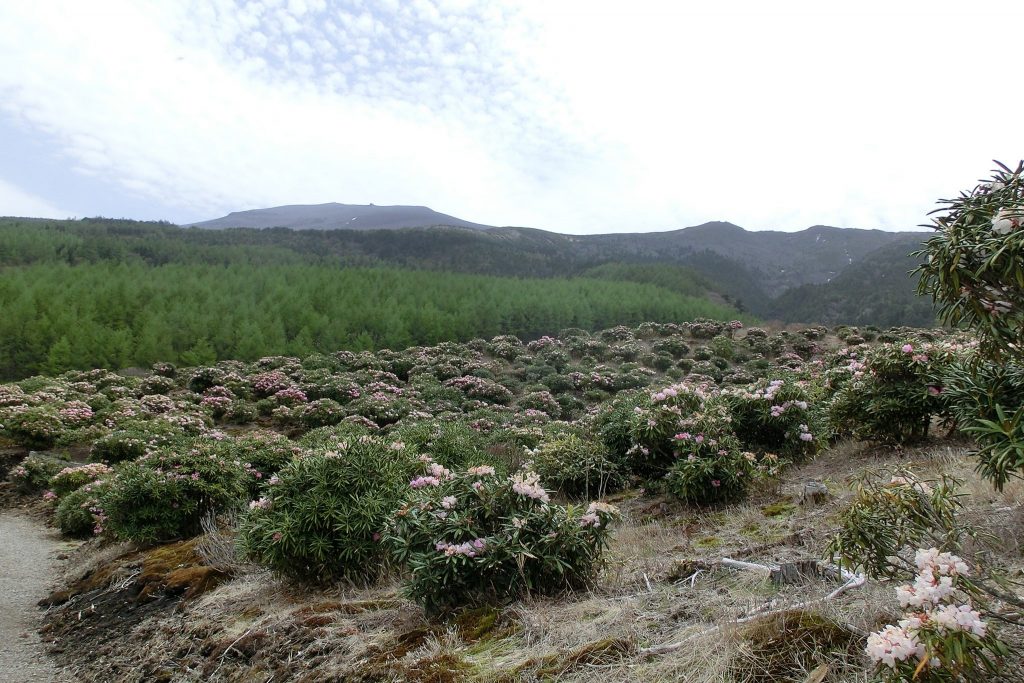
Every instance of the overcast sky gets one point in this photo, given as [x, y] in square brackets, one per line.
[575, 116]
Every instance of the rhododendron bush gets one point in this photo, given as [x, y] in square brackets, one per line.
[33, 427]
[892, 512]
[893, 392]
[974, 270]
[654, 422]
[165, 494]
[710, 468]
[472, 536]
[320, 518]
[452, 443]
[974, 264]
[34, 473]
[778, 416]
[80, 513]
[574, 465]
[71, 478]
[945, 633]
[133, 441]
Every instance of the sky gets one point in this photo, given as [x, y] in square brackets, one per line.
[579, 116]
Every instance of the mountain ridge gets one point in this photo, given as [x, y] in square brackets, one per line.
[775, 274]
[820, 274]
[337, 216]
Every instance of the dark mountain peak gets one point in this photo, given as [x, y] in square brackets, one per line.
[719, 227]
[335, 216]
[823, 230]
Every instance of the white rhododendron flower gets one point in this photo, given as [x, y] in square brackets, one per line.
[894, 644]
[1007, 220]
[959, 618]
[944, 564]
[931, 596]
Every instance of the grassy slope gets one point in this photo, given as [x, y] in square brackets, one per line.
[663, 584]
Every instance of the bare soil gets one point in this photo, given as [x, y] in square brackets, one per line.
[28, 561]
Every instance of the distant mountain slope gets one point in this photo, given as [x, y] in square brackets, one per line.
[818, 274]
[821, 274]
[780, 260]
[751, 265]
[336, 216]
[875, 290]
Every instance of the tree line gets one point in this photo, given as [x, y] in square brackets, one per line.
[121, 314]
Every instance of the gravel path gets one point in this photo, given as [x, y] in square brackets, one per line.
[27, 570]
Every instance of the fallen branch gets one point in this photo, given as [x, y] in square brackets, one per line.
[751, 566]
[852, 581]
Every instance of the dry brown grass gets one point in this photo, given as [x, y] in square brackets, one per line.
[663, 583]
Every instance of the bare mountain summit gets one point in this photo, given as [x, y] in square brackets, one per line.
[335, 216]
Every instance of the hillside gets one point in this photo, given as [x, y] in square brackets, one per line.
[779, 260]
[754, 268]
[119, 294]
[334, 216]
[751, 269]
[876, 290]
[372, 517]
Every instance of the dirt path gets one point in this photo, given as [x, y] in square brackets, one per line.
[27, 570]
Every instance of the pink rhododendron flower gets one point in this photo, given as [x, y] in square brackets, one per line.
[893, 644]
[528, 484]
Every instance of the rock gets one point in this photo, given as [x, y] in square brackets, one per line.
[814, 493]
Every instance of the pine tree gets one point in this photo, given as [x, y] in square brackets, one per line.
[60, 358]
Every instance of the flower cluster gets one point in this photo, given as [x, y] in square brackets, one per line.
[1008, 219]
[76, 412]
[436, 474]
[269, 383]
[894, 644]
[528, 484]
[934, 582]
[72, 478]
[596, 511]
[919, 486]
[805, 434]
[941, 625]
[262, 503]
[469, 549]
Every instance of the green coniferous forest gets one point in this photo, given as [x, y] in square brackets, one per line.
[119, 294]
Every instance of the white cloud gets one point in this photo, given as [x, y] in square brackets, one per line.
[577, 116]
[16, 202]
